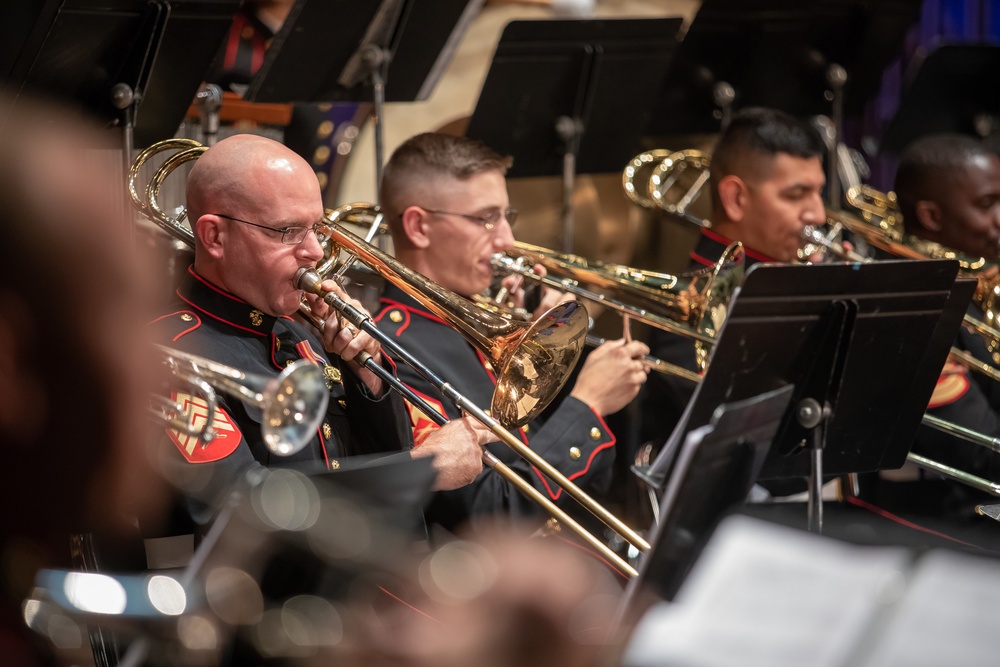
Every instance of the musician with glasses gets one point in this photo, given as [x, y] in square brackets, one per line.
[766, 181]
[254, 206]
[445, 200]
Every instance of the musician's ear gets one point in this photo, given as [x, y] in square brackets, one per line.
[733, 197]
[415, 225]
[929, 215]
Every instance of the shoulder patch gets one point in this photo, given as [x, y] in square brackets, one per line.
[951, 386]
[422, 424]
[227, 434]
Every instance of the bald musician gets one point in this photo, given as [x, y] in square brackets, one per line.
[766, 182]
[254, 206]
[446, 203]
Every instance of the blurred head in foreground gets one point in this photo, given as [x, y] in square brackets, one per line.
[73, 360]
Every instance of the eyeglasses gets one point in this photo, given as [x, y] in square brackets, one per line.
[487, 220]
[289, 235]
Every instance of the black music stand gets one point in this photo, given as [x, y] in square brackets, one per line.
[824, 57]
[386, 51]
[107, 57]
[779, 53]
[304, 64]
[714, 471]
[92, 54]
[194, 32]
[567, 97]
[828, 330]
[952, 91]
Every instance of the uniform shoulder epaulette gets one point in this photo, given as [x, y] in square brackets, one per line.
[175, 325]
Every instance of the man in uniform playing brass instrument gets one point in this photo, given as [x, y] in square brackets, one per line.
[445, 199]
[254, 206]
[948, 188]
[766, 182]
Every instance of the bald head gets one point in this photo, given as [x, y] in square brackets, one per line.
[236, 174]
[242, 194]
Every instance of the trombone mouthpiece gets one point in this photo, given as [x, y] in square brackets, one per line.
[308, 280]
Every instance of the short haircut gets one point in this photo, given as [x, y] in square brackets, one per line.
[433, 154]
[929, 165]
[754, 136]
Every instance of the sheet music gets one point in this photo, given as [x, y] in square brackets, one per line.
[764, 595]
[948, 616]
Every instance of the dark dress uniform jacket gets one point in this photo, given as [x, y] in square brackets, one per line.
[574, 438]
[212, 323]
[665, 396]
[968, 399]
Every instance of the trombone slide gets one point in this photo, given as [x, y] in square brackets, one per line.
[310, 281]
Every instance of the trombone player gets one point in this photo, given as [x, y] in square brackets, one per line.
[766, 183]
[254, 206]
[445, 200]
[948, 189]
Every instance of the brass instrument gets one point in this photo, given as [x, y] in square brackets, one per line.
[533, 362]
[692, 305]
[636, 175]
[668, 180]
[672, 181]
[908, 250]
[293, 403]
[881, 225]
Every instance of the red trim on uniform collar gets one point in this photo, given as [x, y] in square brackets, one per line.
[217, 290]
[216, 317]
[719, 238]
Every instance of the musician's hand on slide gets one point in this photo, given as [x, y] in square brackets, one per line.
[612, 376]
[457, 448]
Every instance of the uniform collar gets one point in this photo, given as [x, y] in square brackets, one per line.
[218, 304]
[712, 244]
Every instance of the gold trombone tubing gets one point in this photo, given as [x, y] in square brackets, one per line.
[654, 364]
[812, 235]
[414, 284]
[359, 248]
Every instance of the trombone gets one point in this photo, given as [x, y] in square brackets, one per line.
[293, 403]
[668, 180]
[650, 175]
[534, 361]
[693, 305]
[813, 235]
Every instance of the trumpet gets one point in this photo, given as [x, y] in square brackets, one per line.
[533, 361]
[293, 403]
[693, 305]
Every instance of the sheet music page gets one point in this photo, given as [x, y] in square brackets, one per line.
[764, 595]
[948, 616]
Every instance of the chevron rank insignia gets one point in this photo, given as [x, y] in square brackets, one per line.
[227, 435]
